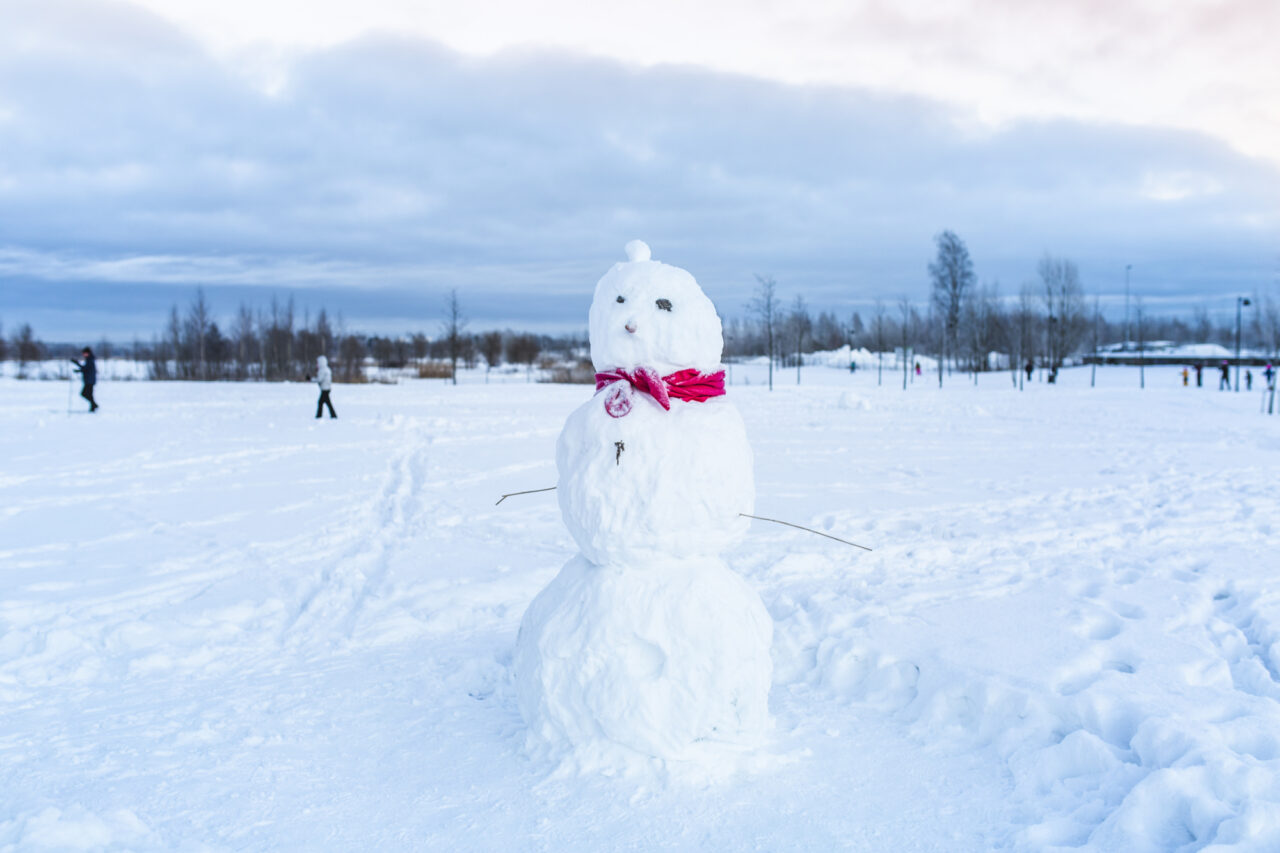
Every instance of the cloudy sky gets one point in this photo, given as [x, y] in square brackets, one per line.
[370, 156]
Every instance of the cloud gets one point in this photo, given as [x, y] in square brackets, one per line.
[1206, 67]
[129, 155]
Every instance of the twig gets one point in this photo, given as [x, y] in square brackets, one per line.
[529, 492]
[799, 527]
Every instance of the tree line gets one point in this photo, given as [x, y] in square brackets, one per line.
[961, 323]
[281, 343]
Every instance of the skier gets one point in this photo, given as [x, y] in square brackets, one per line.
[1030, 368]
[1199, 375]
[1248, 380]
[88, 370]
[1224, 378]
[1269, 374]
[1185, 375]
[324, 378]
[917, 368]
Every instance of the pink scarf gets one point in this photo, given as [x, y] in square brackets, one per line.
[686, 384]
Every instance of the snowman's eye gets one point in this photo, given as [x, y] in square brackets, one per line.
[620, 299]
[664, 304]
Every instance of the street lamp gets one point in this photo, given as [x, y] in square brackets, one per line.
[1241, 301]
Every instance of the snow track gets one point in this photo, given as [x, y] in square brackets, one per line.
[224, 625]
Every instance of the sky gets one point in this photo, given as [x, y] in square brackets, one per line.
[370, 157]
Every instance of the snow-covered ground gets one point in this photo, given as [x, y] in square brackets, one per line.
[225, 625]
[55, 369]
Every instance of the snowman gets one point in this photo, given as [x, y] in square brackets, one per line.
[646, 642]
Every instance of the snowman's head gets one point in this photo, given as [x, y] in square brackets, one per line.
[649, 314]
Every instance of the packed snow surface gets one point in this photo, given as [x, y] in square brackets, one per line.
[225, 625]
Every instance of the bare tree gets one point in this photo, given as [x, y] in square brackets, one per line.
[1201, 325]
[765, 306]
[856, 329]
[454, 323]
[827, 334]
[1266, 322]
[197, 332]
[981, 326]
[1026, 317]
[491, 349]
[524, 349]
[173, 334]
[879, 331]
[1064, 307]
[419, 346]
[952, 275]
[1096, 324]
[244, 339]
[907, 313]
[351, 352]
[26, 347]
[800, 325]
[324, 333]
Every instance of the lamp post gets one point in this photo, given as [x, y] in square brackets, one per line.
[1127, 267]
[1241, 301]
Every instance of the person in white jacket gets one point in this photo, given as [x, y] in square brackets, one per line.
[324, 378]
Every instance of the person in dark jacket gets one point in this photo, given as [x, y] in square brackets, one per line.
[1224, 378]
[88, 370]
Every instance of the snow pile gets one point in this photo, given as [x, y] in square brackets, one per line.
[648, 645]
[864, 358]
[853, 401]
[76, 828]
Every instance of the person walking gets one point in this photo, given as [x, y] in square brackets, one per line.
[324, 378]
[1224, 378]
[88, 370]
[1199, 375]
[1269, 374]
[1248, 380]
[1030, 368]
[1185, 374]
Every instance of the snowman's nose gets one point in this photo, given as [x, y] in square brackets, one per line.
[631, 326]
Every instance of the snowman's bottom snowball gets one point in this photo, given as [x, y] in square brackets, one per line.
[663, 659]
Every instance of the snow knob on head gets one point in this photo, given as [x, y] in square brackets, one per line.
[648, 314]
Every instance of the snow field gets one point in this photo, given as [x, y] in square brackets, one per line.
[225, 625]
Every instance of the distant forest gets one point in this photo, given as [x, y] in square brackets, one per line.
[1048, 321]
